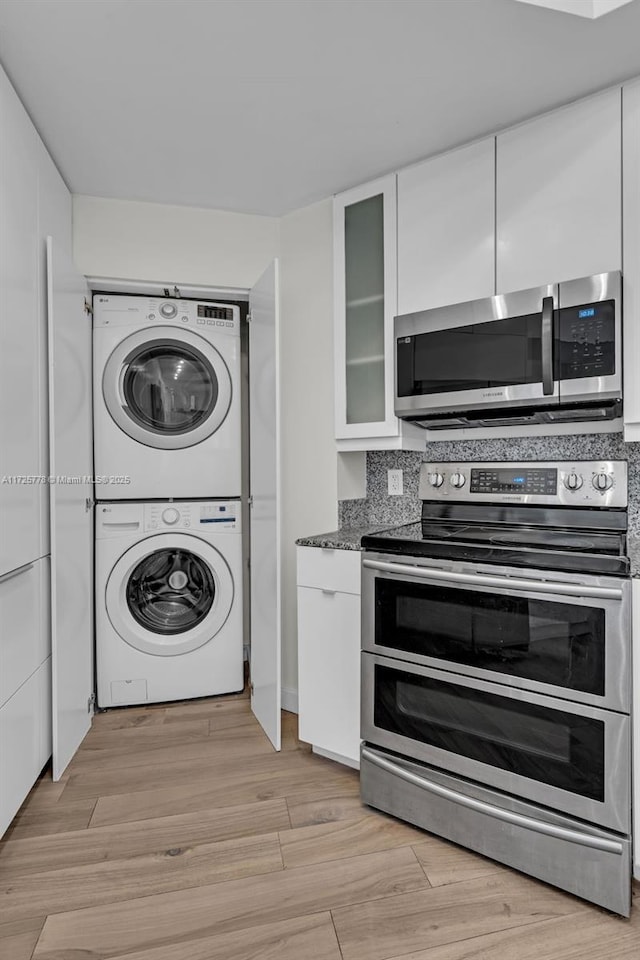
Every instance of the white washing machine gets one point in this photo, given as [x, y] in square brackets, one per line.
[168, 600]
[166, 398]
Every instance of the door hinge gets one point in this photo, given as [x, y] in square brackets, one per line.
[91, 702]
[87, 307]
[89, 504]
[249, 317]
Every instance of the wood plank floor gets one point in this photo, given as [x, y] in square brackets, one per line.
[178, 834]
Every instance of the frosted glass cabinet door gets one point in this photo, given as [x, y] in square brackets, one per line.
[558, 197]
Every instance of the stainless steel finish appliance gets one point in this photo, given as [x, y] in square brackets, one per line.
[496, 669]
[549, 354]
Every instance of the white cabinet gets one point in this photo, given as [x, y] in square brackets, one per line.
[25, 640]
[25, 741]
[635, 724]
[446, 228]
[558, 195]
[329, 652]
[20, 502]
[365, 294]
[631, 260]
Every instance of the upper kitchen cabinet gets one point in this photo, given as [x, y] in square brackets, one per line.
[558, 203]
[20, 333]
[446, 228]
[631, 269]
[365, 291]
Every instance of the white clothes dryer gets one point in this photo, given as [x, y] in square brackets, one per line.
[168, 600]
[166, 398]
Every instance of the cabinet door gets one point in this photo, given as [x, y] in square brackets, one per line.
[558, 197]
[20, 387]
[20, 746]
[24, 616]
[70, 452]
[329, 671]
[446, 224]
[265, 534]
[365, 304]
[631, 266]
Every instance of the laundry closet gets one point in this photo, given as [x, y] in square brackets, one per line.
[146, 388]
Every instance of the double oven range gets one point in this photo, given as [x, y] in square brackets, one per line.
[496, 669]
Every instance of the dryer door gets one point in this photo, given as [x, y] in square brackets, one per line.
[169, 594]
[167, 388]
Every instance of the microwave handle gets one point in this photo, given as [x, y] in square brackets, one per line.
[547, 346]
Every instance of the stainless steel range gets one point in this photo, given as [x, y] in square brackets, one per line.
[496, 669]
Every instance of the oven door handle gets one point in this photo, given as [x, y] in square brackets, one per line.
[480, 806]
[507, 583]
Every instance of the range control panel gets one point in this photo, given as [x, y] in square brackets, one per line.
[526, 480]
[121, 311]
[588, 483]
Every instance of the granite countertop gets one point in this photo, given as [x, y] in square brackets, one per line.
[349, 538]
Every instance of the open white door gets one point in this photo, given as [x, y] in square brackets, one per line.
[71, 496]
[264, 414]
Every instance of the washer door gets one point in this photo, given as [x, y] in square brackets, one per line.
[169, 594]
[167, 388]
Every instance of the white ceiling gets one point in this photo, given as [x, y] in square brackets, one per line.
[263, 106]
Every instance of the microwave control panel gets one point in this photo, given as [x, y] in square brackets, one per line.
[579, 483]
[586, 340]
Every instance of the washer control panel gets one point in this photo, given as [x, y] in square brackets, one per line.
[194, 516]
[119, 311]
[581, 483]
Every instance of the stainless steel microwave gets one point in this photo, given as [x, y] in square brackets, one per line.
[549, 354]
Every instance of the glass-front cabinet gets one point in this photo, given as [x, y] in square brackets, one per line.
[365, 256]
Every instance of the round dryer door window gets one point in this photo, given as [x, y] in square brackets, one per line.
[169, 594]
[167, 391]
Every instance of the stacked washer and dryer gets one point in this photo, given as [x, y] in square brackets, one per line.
[167, 448]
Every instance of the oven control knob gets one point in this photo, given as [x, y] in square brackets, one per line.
[436, 479]
[573, 481]
[457, 480]
[602, 481]
[170, 516]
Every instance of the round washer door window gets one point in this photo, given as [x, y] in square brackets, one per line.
[169, 594]
[166, 391]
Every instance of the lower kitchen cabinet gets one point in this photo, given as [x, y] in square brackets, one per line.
[25, 740]
[329, 652]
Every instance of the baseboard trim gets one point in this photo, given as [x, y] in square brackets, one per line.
[290, 699]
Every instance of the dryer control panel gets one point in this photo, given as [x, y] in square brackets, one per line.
[215, 516]
[121, 311]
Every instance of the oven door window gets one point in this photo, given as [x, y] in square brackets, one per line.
[550, 641]
[498, 353]
[558, 748]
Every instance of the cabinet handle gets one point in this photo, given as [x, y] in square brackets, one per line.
[547, 346]
[15, 573]
[329, 593]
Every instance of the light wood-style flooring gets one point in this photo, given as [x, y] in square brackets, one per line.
[178, 834]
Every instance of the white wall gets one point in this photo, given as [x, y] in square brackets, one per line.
[309, 475]
[153, 241]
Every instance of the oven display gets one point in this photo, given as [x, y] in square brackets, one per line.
[529, 481]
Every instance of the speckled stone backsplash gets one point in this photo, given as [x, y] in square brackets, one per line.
[379, 507]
